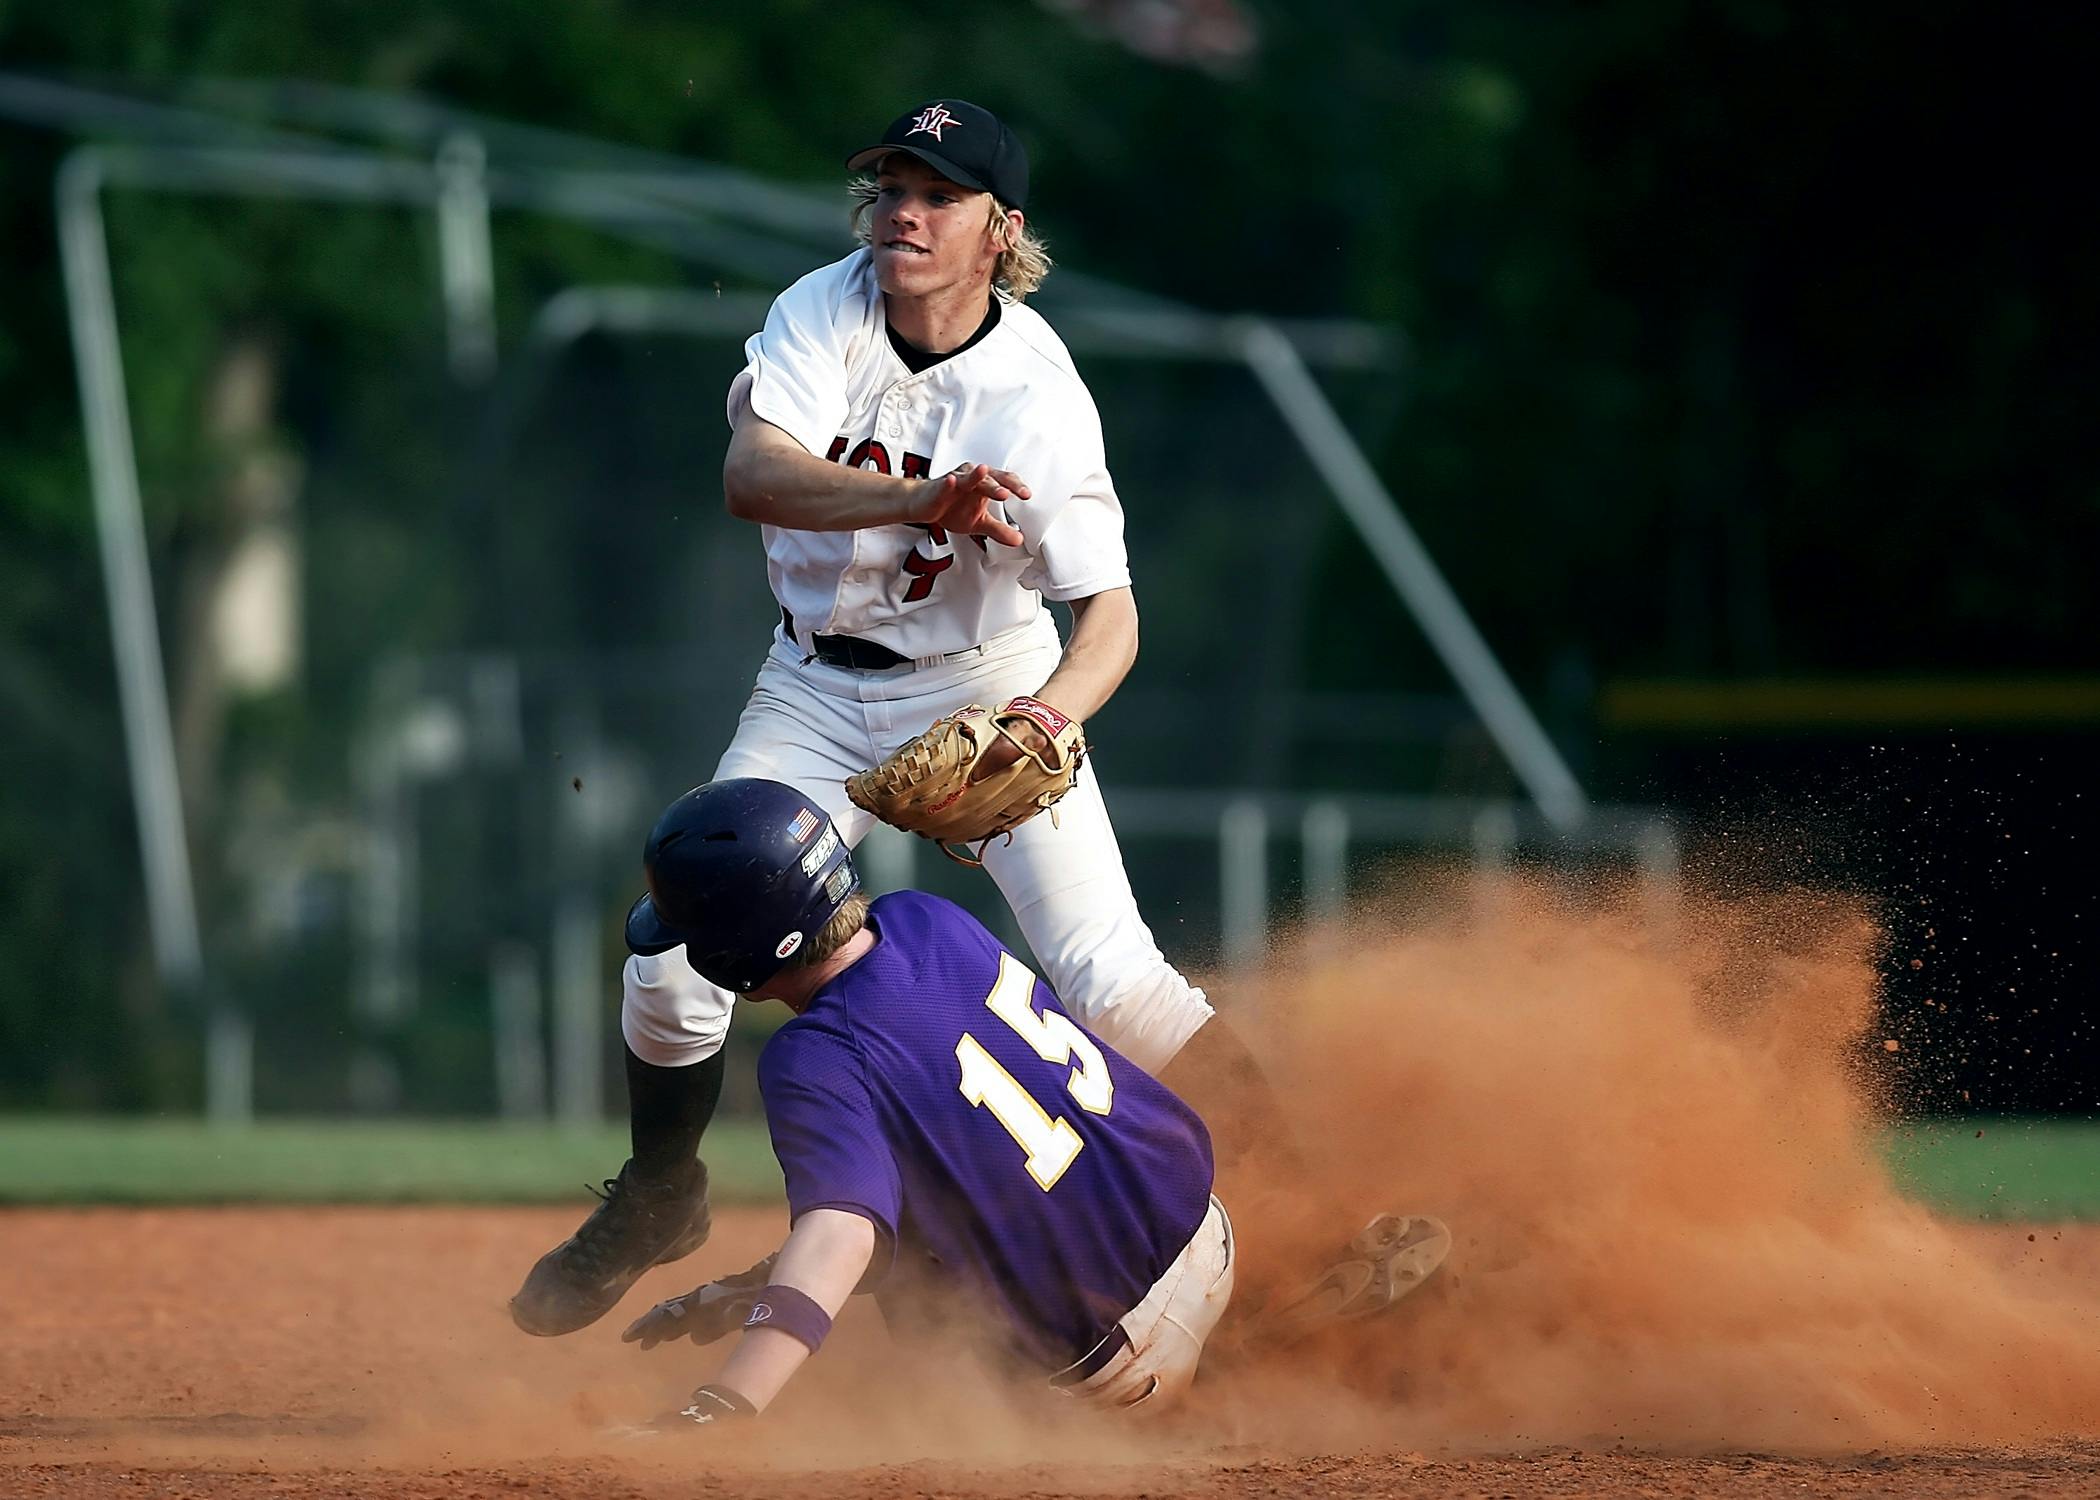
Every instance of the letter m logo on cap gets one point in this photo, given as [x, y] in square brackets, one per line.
[931, 120]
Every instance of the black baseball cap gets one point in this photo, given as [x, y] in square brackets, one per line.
[964, 143]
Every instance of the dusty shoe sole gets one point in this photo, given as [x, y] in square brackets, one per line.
[549, 1305]
[1389, 1258]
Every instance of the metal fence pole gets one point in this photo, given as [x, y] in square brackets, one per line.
[1324, 834]
[521, 1054]
[142, 688]
[1494, 838]
[229, 1066]
[381, 769]
[1659, 852]
[1414, 575]
[579, 1020]
[574, 942]
[1243, 880]
[466, 263]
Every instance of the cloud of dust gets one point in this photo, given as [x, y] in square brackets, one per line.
[1657, 1144]
[1655, 1139]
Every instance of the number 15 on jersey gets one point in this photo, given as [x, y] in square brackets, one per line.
[1051, 1144]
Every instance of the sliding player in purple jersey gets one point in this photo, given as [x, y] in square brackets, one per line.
[939, 1120]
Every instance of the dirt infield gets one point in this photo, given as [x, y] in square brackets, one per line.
[364, 1352]
[1681, 1267]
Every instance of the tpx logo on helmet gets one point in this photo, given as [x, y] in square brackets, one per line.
[931, 120]
[820, 851]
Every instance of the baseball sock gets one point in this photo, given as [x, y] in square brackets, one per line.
[667, 1109]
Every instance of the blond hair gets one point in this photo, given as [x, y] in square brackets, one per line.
[836, 933]
[1024, 260]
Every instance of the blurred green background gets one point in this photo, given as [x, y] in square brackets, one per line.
[1733, 361]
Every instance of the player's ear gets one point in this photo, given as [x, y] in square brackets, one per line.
[1006, 225]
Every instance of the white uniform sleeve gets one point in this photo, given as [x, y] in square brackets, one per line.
[1074, 524]
[796, 375]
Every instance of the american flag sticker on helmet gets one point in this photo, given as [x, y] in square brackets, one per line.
[805, 824]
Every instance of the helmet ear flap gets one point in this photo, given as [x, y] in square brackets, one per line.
[726, 969]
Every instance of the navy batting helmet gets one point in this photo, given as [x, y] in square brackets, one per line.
[743, 873]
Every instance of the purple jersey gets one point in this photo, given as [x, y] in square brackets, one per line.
[938, 1088]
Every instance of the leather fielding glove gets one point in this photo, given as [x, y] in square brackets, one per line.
[934, 786]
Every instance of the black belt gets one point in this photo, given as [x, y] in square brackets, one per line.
[1090, 1364]
[847, 650]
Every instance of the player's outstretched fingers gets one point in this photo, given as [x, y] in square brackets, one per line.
[995, 485]
[962, 503]
[983, 482]
[1012, 482]
[1003, 532]
[660, 1324]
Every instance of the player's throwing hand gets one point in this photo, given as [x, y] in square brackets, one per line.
[961, 501]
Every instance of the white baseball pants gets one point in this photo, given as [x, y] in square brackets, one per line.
[812, 725]
[1167, 1330]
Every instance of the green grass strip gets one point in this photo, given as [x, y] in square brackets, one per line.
[2017, 1169]
[2032, 1170]
[87, 1160]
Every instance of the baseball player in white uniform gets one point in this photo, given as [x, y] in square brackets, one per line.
[926, 469]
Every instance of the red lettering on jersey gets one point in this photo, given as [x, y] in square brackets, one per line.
[870, 454]
[923, 570]
[938, 535]
[915, 466]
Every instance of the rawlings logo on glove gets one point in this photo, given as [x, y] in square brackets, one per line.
[943, 786]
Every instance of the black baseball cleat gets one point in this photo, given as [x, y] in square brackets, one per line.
[642, 1222]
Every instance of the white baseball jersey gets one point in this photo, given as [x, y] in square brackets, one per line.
[823, 370]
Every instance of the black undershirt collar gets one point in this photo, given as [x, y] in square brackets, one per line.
[917, 359]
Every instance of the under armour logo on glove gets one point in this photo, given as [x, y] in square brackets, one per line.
[707, 1406]
[715, 1403]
